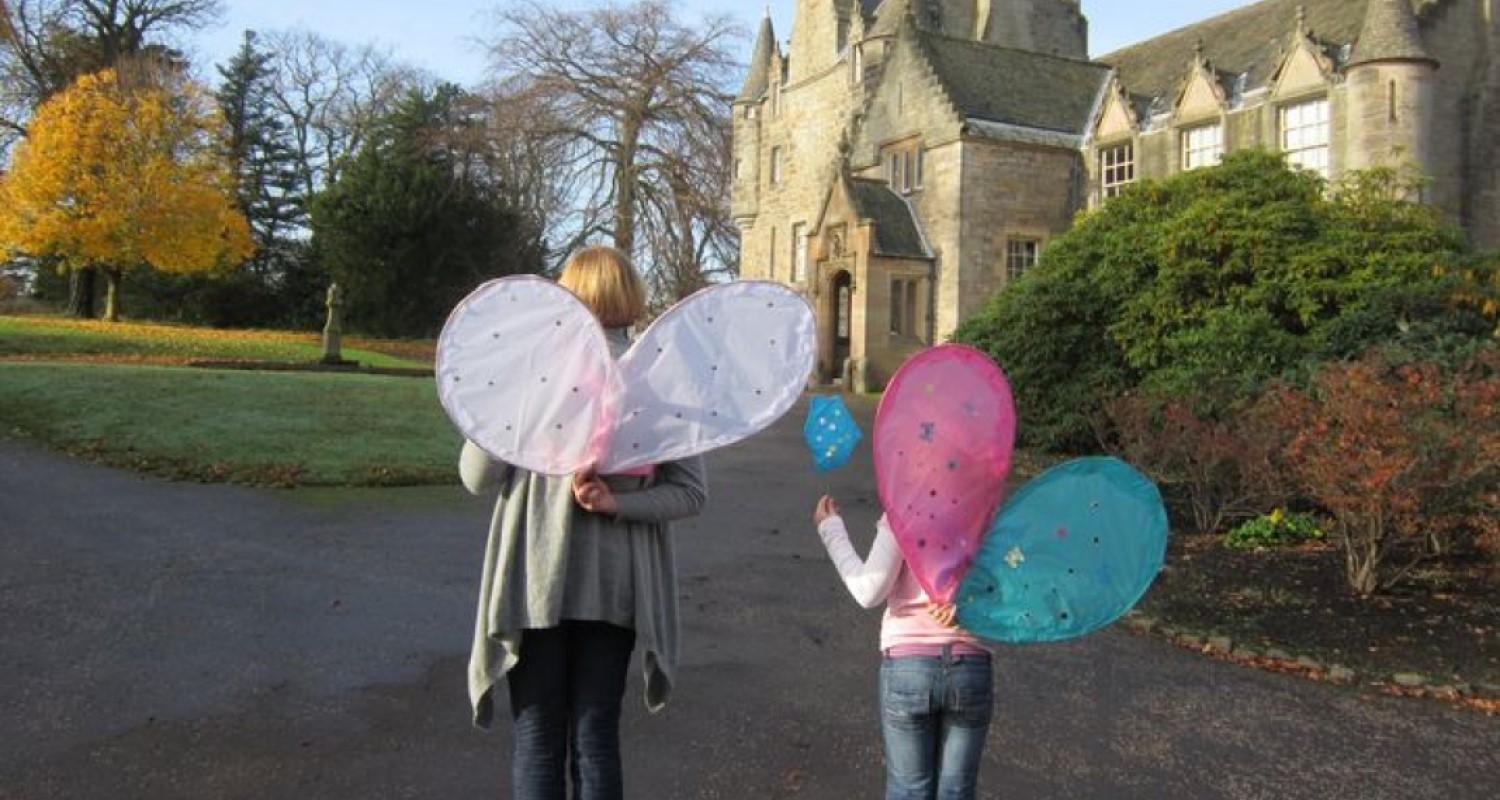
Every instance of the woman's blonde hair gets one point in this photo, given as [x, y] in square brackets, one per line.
[604, 280]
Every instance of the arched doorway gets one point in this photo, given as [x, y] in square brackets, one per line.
[841, 302]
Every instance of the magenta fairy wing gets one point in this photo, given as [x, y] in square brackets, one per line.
[943, 439]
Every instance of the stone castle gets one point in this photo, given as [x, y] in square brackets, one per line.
[902, 160]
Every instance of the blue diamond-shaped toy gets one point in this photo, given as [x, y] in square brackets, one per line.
[830, 432]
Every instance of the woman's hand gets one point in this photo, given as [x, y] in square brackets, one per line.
[593, 494]
[827, 507]
[944, 614]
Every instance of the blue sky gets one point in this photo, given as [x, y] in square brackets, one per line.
[438, 35]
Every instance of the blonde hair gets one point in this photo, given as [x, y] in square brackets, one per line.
[604, 280]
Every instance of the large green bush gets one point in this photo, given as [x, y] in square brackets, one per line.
[1210, 282]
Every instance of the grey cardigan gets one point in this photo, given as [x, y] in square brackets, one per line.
[539, 538]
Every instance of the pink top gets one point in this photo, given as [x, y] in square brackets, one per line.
[907, 629]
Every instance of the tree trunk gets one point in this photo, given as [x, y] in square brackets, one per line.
[625, 188]
[81, 285]
[112, 296]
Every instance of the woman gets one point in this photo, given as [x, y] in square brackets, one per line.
[576, 573]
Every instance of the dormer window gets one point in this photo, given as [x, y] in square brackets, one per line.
[1202, 146]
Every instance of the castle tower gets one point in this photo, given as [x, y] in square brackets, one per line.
[1056, 27]
[819, 35]
[1392, 92]
[747, 125]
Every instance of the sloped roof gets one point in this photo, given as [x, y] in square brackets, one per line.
[1390, 33]
[1015, 87]
[759, 76]
[896, 231]
[1243, 41]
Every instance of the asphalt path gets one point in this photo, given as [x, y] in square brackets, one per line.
[163, 641]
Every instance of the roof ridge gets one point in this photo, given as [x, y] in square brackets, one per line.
[1246, 9]
[979, 45]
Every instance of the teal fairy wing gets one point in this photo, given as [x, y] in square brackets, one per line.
[1067, 554]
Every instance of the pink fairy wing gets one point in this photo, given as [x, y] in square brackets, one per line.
[524, 371]
[943, 439]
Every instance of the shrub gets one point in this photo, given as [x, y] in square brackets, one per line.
[1215, 467]
[1399, 454]
[1271, 530]
[1226, 277]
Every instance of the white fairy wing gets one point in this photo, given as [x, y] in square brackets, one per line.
[716, 368]
[524, 371]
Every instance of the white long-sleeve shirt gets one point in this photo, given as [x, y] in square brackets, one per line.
[907, 629]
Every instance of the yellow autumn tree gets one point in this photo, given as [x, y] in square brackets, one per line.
[124, 175]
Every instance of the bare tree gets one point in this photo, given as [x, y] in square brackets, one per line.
[329, 94]
[691, 237]
[46, 44]
[636, 103]
[528, 167]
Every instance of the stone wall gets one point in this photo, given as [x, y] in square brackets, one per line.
[1010, 190]
[807, 125]
[1482, 201]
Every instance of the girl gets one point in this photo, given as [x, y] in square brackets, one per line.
[936, 684]
[576, 572]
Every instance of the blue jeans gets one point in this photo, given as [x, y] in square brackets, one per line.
[565, 695]
[935, 713]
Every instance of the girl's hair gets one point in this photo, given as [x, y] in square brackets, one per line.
[604, 280]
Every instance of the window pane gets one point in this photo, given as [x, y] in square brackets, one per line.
[799, 253]
[910, 322]
[772, 260]
[897, 289]
[1117, 168]
[1305, 133]
[1202, 146]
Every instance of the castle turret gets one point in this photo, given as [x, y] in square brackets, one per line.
[1392, 91]
[747, 125]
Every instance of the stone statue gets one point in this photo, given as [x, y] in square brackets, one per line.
[333, 329]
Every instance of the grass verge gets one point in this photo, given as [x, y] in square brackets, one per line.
[258, 428]
[53, 337]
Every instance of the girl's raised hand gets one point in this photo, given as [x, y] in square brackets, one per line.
[944, 614]
[827, 507]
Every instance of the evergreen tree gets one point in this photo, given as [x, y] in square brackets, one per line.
[258, 148]
[415, 222]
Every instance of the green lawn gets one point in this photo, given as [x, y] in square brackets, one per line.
[263, 428]
[54, 337]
